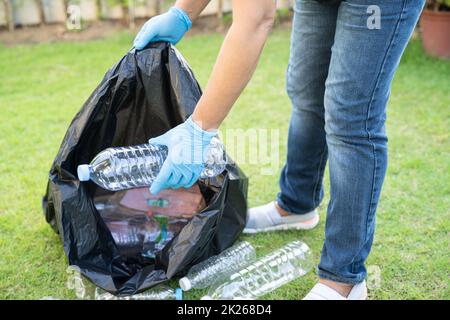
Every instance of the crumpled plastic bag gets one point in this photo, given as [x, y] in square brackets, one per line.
[142, 96]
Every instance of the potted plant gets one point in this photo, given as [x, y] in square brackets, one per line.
[435, 25]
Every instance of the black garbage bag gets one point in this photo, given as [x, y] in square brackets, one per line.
[145, 94]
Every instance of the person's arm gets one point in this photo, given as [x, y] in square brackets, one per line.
[235, 64]
[237, 60]
[192, 7]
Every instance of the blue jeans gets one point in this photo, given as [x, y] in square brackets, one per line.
[339, 76]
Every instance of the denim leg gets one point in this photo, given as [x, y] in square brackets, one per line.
[363, 63]
[311, 40]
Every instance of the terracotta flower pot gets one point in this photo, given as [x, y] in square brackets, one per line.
[436, 32]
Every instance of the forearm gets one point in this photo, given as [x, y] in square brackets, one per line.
[235, 63]
[192, 7]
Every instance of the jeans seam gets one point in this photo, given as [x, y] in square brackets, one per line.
[319, 170]
[324, 274]
[376, 87]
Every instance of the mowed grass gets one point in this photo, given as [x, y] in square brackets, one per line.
[43, 86]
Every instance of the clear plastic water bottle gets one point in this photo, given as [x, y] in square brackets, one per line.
[160, 292]
[137, 166]
[145, 235]
[219, 267]
[265, 275]
[83, 288]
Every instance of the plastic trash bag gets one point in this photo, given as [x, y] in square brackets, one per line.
[142, 96]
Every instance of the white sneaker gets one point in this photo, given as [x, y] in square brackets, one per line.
[267, 218]
[323, 292]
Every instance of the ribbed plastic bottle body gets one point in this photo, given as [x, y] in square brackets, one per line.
[86, 290]
[127, 167]
[82, 287]
[137, 166]
[215, 159]
[220, 266]
[160, 292]
[265, 275]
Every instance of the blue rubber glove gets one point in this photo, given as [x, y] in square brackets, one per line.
[170, 27]
[187, 144]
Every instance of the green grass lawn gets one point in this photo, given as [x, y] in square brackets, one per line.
[43, 86]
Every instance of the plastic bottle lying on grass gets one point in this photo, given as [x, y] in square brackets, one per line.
[137, 166]
[160, 292]
[86, 290]
[265, 275]
[218, 267]
[83, 288]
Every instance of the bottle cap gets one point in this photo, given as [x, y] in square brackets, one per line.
[178, 294]
[83, 172]
[185, 284]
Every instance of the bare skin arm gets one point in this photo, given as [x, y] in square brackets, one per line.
[192, 7]
[237, 59]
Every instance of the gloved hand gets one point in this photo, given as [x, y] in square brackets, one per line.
[170, 27]
[187, 144]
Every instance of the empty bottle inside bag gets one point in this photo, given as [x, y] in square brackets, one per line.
[122, 238]
[141, 223]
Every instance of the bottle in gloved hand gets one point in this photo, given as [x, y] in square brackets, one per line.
[265, 275]
[137, 166]
[218, 267]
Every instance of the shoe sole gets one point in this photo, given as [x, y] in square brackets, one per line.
[287, 226]
[365, 295]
